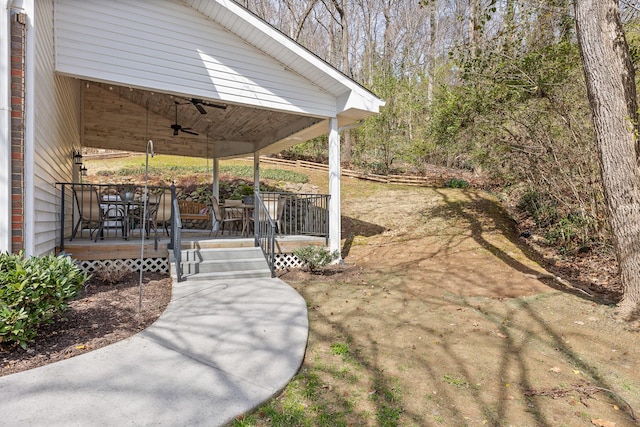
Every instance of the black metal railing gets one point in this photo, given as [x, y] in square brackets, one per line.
[265, 228]
[103, 211]
[299, 214]
[176, 237]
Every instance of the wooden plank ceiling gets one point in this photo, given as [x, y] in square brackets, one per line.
[122, 118]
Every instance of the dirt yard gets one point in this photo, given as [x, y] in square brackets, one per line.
[447, 320]
[439, 317]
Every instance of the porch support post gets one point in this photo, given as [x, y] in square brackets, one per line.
[216, 179]
[215, 188]
[256, 172]
[334, 188]
[5, 128]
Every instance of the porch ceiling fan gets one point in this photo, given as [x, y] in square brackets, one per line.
[199, 104]
[178, 128]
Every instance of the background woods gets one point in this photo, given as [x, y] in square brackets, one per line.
[492, 86]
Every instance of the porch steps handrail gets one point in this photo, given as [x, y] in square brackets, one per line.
[176, 236]
[265, 231]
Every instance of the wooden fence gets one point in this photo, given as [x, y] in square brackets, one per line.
[414, 180]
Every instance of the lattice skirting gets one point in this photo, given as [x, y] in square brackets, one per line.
[284, 261]
[161, 265]
[154, 265]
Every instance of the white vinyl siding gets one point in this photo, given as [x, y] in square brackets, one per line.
[56, 130]
[275, 44]
[169, 47]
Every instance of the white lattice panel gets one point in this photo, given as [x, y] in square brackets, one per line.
[153, 265]
[284, 261]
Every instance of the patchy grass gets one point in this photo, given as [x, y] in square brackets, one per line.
[441, 317]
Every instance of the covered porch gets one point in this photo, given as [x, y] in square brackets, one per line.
[190, 78]
[228, 85]
[132, 226]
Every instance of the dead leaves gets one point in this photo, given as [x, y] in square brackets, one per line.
[584, 390]
[602, 423]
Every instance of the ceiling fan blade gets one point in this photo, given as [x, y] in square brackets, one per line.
[199, 103]
[190, 132]
[200, 108]
[220, 106]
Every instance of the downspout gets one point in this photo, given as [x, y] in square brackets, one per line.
[5, 125]
[28, 7]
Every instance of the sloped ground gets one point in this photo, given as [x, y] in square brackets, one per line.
[442, 318]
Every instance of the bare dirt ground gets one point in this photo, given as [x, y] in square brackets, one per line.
[450, 321]
[442, 315]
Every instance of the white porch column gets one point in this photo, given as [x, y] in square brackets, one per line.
[334, 188]
[256, 172]
[215, 188]
[216, 179]
[5, 128]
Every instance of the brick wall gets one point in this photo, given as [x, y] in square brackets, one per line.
[18, 38]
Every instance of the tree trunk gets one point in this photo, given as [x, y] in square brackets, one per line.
[341, 7]
[431, 67]
[611, 90]
[474, 24]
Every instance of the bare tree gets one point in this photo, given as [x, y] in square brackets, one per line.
[611, 91]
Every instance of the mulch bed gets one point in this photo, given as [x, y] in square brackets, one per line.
[106, 311]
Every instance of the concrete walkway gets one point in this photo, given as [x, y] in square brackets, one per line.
[220, 349]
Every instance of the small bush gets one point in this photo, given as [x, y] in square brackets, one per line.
[456, 183]
[32, 291]
[541, 207]
[315, 257]
[110, 274]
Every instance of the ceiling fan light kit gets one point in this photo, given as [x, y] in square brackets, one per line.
[177, 128]
[199, 104]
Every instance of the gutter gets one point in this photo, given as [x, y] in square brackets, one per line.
[5, 125]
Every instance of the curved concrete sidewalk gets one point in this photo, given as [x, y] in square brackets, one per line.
[220, 349]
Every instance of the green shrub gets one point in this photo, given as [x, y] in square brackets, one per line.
[540, 206]
[456, 183]
[32, 291]
[315, 257]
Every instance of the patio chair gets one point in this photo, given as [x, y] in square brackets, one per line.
[274, 204]
[159, 212]
[221, 220]
[90, 213]
[114, 213]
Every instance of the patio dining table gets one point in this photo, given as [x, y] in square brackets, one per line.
[128, 209]
[245, 209]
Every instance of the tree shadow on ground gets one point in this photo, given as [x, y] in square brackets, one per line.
[484, 214]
